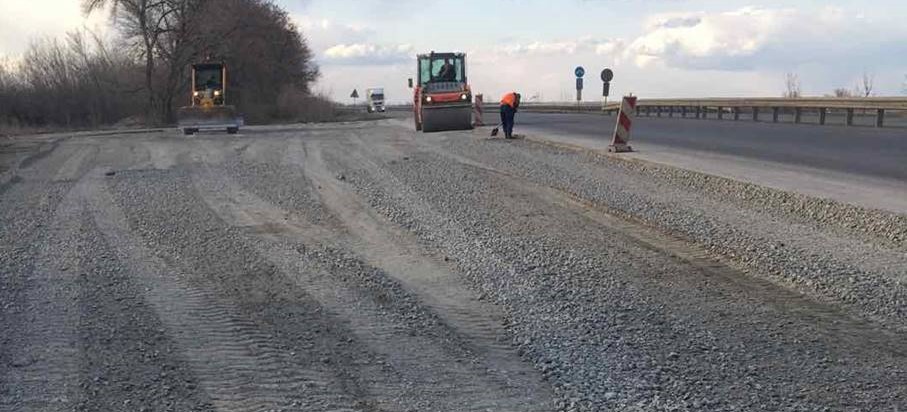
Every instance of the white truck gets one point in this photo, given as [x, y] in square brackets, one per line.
[375, 97]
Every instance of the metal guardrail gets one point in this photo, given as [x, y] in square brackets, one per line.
[560, 107]
[702, 108]
[867, 103]
[529, 106]
[733, 108]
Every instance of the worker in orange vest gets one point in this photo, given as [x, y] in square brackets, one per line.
[509, 105]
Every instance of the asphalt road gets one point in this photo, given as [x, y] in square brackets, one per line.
[862, 151]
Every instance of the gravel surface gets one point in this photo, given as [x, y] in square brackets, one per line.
[780, 237]
[362, 267]
[674, 337]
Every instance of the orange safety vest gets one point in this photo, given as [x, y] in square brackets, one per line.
[510, 99]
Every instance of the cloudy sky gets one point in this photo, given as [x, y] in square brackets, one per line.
[657, 48]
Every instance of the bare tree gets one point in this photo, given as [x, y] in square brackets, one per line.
[792, 86]
[266, 53]
[257, 38]
[144, 23]
[83, 81]
[865, 87]
[843, 92]
[73, 82]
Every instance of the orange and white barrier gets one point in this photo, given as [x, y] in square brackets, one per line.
[621, 140]
[477, 110]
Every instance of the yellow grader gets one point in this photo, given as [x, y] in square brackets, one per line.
[208, 108]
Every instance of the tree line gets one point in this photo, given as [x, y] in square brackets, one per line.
[865, 87]
[142, 75]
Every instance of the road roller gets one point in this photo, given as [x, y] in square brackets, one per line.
[442, 99]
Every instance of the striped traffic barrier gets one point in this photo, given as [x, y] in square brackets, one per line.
[621, 139]
[477, 110]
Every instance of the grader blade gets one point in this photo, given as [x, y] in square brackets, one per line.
[195, 118]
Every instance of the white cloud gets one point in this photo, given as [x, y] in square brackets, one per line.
[349, 44]
[565, 47]
[323, 34]
[366, 54]
[682, 36]
[753, 38]
[610, 47]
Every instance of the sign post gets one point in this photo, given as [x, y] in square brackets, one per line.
[477, 110]
[579, 72]
[354, 95]
[606, 76]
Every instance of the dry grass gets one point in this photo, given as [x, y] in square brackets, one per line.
[296, 106]
[9, 129]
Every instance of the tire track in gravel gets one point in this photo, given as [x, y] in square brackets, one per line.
[388, 247]
[45, 359]
[836, 324]
[440, 380]
[128, 361]
[32, 218]
[826, 263]
[239, 367]
[74, 165]
[833, 323]
[803, 350]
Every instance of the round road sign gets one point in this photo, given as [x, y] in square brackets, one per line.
[580, 71]
[607, 75]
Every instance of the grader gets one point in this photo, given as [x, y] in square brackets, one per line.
[208, 108]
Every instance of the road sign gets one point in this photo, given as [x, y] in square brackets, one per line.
[354, 94]
[580, 72]
[606, 89]
[607, 75]
[579, 83]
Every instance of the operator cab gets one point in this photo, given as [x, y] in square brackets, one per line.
[208, 81]
[442, 71]
[208, 108]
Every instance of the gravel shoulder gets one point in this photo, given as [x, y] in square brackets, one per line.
[362, 267]
[677, 323]
[835, 253]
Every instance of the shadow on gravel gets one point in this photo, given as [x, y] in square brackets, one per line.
[10, 183]
[41, 153]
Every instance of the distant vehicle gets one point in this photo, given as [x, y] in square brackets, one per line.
[208, 108]
[375, 98]
[442, 99]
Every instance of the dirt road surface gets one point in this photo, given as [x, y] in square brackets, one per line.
[364, 267]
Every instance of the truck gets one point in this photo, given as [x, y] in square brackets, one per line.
[375, 99]
[442, 98]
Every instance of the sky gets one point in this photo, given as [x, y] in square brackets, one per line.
[656, 48]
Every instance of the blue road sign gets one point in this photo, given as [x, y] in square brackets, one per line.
[580, 71]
